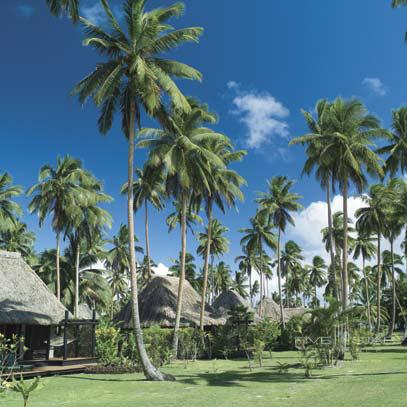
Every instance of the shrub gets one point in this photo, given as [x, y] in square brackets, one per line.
[158, 344]
[107, 345]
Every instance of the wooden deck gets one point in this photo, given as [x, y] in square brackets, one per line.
[55, 366]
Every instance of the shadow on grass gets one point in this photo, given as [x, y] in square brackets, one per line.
[101, 379]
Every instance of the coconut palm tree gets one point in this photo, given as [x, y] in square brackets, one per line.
[175, 218]
[371, 219]
[135, 77]
[259, 235]
[70, 7]
[240, 284]
[278, 203]
[290, 258]
[222, 278]
[190, 269]
[350, 141]
[323, 167]
[364, 247]
[148, 188]
[245, 264]
[317, 276]
[18, 238]
[58, 193]
[224, 190]
[214, 235]
[9, 210]
[181, 153]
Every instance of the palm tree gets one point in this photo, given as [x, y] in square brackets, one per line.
[71, 7]
[17, 238]
[350, 141]
[290, 258]
[175, 218]
[148, 188]
[9, 209]
[245, 264]
[323, 167]
[222, 278]
[371, 219]
[364, 247]
[135, 77]
[58, 193]
[277, 203]
[182, 154]
[317, 276]
[190, 269]
[89, 224]
[218, 245]
[240, 284]
[260, 234]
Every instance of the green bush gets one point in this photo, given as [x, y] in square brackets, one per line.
[107, 345]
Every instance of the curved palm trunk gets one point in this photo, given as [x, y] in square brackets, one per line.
[393, 294]
[206, 268]
[345, 277]
[279, 280]
[369, 318]
[249, 272]
[150, 372]
[315, 296]
[58, 282]
[147, 240]
[378, 283]
[76, 308]
[182, 274]
[332, 273]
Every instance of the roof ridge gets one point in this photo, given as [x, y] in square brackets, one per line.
[10, 255]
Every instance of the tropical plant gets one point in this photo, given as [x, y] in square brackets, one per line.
[260, 234]
[58, 193]
[190, 269]
[364, 247]
[323, 166]
[181, 153]
[372, 219]
[317, 276]
[240, 284]
[59, 7]
[9, 210]
[147, 188]
[17, 238]
[135, 77]
[277, 204]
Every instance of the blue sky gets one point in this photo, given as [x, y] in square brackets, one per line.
[262, 62]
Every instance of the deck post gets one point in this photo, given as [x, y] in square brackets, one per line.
[48, 343]
[93, 333]
[65, 335]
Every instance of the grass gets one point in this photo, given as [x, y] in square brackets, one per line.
[378, 378]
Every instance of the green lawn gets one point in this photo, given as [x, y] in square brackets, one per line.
[377, 379]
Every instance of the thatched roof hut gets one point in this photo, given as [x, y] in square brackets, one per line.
[24, 298]
[228, 299]
[158, 302]
[272, 310]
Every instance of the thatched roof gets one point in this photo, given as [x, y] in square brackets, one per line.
[24, 298]
[84, 312]
[228, 299]
[158, 302]
[272, 310]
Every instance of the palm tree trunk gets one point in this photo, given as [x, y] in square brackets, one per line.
[315, 296]
[58, 282]
[147, 240]
[378, 283]
[393, 283]
[206, 267]
[369, 318]
[345, 279]
[150, 372]
[261, 280]
[249, 272]
[279, 280]
[76, 308]
[332, 273]
[182, 273]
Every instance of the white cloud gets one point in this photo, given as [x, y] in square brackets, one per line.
[262, 114]
[161, 269]
[375, 85]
